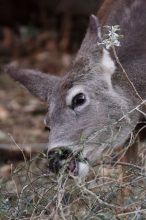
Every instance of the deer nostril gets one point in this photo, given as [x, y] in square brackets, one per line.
[47, 128]
[57, 158]
[62, 153]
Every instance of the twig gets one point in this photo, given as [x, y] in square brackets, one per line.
[122, 164]
[130, 213]
[101, 202]
[127, 77]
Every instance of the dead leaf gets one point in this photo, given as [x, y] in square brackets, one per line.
[3, 113]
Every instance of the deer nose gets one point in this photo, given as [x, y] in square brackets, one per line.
[57, 159]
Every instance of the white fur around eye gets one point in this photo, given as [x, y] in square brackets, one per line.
[72, 93]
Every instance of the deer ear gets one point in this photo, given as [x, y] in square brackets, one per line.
[92, 37]
[39, 84]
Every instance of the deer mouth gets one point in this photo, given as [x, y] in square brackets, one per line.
[65, 160]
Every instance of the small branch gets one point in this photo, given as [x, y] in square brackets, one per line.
[127, 77]
[133, 212]
[101, 202]
[120, 163]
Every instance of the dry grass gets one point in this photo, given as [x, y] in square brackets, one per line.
[32, 192]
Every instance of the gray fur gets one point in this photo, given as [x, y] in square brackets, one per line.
[105, 122]
[39, 84]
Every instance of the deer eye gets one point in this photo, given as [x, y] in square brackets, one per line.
[78, 100]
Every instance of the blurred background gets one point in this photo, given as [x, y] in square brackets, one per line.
[37, 34]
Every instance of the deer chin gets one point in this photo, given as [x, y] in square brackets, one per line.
[83, 169]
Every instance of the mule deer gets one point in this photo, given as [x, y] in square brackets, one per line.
[94, 107]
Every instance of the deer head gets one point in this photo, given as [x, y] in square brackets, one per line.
[87, 108]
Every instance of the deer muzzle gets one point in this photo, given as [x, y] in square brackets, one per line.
[63, 159]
